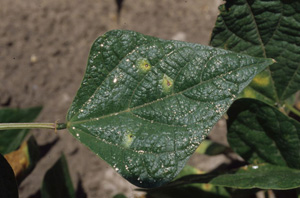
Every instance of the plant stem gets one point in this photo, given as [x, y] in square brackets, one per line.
[11, 126]
[292, 109]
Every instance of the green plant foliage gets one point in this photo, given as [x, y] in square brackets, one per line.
[262, 176]
[10, 140]
[8, 185]
[145, 104]
[260, 133]
[264, 29]
[57, 182]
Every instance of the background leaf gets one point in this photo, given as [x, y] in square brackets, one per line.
[24, 159]
[145, 103]
[262, 176]
[10, 140]
[264, 29]
[57, 182]
[260, 133]
[8, 185]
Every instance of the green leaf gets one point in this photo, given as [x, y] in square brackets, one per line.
[8, 185]
[263, 176]
[145, 104]
[57, 182]
[10, 140]
[260, 133]
[260, 176]
[264, 29]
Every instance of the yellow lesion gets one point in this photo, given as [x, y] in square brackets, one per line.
[262, 80]
[248, 93]
[207, 187]
[245, 168]
[143, 65]
[167, 84]
[128, 139]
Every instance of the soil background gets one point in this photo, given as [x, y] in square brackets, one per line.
[44, 45]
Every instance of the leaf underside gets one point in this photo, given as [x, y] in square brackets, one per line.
[264, 29]
[145, 104]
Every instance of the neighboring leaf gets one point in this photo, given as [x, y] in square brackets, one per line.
[260, 176]
[24, 159]
[8, 185]
[145, 104]
[263, 176]
[57, 182]
[209, 147]
[264, 29]
[260, 133]
[10, 140]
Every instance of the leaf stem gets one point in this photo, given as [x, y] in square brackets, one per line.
[292, 109]
[11, 126]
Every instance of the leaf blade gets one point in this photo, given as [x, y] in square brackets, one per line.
[155, 103]
[264, 29]
[261, 133]
[262, 176]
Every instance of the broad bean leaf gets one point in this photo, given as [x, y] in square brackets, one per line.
[260, 133]
[263, 176]
[57, 182]
[10, 140]
[8, 184]
[145, 104]
[264, 29]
